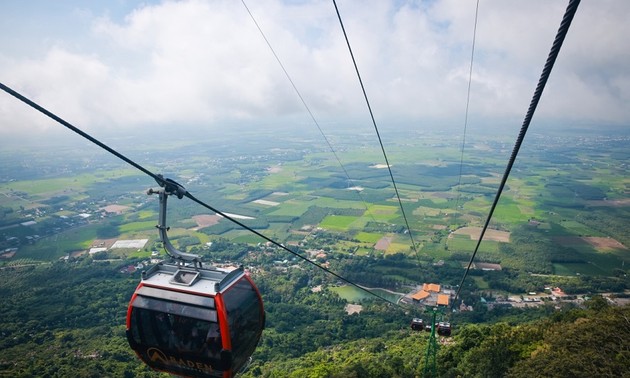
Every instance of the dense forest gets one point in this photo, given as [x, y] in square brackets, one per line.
[67, 319]
[593, 342]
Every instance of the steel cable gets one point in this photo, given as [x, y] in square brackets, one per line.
[546, 72]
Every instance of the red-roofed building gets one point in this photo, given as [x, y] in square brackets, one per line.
[430, 294]
[420, 295]
[443, 299]
[431, 287]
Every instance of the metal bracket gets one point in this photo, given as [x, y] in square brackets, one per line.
[171, 188]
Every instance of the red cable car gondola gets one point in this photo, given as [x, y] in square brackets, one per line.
[195, 322]
[191, 320]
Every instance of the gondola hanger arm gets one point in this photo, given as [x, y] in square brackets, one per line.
[170, 187]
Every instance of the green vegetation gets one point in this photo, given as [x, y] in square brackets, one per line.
[137, 226]
[355, 295]
[601, 337]
[567, 222]
[85, 334]
[550, 348]
[65, 320]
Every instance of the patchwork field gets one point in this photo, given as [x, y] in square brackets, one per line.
[490, 234]
[599, 243]
[205, 220]
[299, 195]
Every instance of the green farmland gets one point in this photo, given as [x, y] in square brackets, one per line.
[303, 198]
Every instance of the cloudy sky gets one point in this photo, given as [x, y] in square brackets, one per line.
[124, 65]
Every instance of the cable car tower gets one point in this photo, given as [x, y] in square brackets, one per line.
[191, 319]
[430, 358]
[442, 328]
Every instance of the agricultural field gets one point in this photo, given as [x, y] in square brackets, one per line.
[299, 194]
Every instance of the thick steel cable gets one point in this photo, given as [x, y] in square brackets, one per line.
[308, 109]
[166, 182]
[472, 58]
[367, 101]
[546, 72]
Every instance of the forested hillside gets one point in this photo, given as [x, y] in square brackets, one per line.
[593, 342]
[67, 319]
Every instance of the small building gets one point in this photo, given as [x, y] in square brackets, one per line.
[431, 294]
[443, 300]
[463, 307]
[420, 295]
[486, 266]
[8, 253]
[431, 287]
[557, 292]
[129, 269]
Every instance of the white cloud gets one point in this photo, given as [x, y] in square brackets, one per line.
[201, 63]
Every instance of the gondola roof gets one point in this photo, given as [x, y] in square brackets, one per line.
[207, 281]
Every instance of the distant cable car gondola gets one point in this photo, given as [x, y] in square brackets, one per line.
[417, 324]
[193, 320]
[444, 329]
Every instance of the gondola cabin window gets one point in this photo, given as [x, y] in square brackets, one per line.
[174, 342]
[245, 317]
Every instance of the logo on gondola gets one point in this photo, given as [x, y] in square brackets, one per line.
[157, 356]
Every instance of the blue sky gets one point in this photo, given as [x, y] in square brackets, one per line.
[121, 65]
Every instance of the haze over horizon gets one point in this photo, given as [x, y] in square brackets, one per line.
[119, 67]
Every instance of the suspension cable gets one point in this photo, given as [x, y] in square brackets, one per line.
[546, 72]
[461, 159]
[308, 110]
[282, 246]
[367, 101]
[37, 107]
[164, 182]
